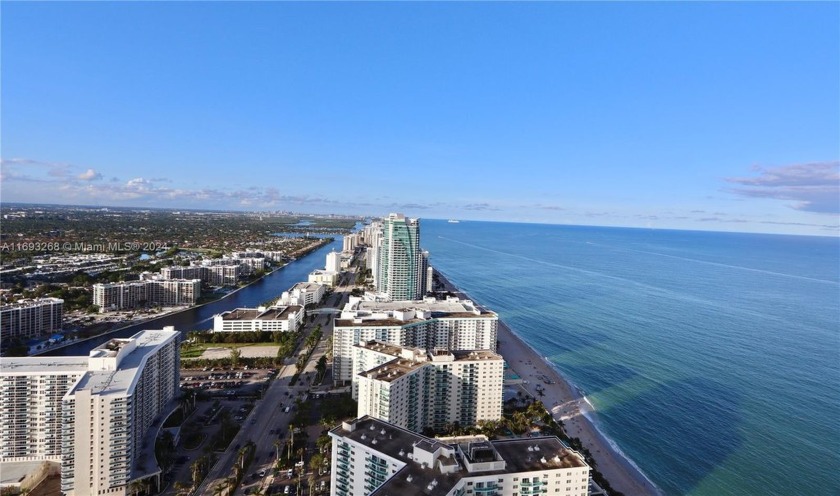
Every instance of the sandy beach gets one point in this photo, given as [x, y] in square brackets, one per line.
[566, 405]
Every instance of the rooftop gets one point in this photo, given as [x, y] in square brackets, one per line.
[519, 455]
[121, 381]
[30, 303]
[393, 370]
[39, 365]
[306, 286]
[272, 313]
[404, 363]
[449, 305]
[382, 347]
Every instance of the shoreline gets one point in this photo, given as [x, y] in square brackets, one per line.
[566, 403]
[180, 310]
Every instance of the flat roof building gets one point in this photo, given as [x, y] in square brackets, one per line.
[376, 458]
[94, 415]
[138, 294]
[30, 318]
[302, 294]
[276, 318]
[417, 389]
[429, 324]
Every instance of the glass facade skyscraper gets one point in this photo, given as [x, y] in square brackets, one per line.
[401, 271]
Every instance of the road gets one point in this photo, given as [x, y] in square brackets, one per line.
[269, 413]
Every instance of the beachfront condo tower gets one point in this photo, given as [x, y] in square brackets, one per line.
[430, 324]
[370, 456]
[417, 389]
[401, 268]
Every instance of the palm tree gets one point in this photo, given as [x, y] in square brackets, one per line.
[242, 455]
[312, 483]
[181, 488]
[292, 439]
[135, 487]
[235, 353]
[324, 443]
[195, 469]
[277, 445]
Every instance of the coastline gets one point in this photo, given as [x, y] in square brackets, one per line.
[567, 404]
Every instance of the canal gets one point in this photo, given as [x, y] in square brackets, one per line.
[201, 317]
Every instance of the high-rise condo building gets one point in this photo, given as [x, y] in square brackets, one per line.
[333, 262]
[376, 458]
[417, 389]
[135, 294]
[401, 270]
[428, 324]
[30, 318]
[94, 415]
[372, 235]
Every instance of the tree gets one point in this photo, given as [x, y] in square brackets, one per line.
[135, 487]
[195, 470]
[277, 445]
[235, 354]
[315, 462]
[323, 443]
[181, 488]
[292, 439]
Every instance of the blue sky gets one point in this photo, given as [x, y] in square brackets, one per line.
[712, 116]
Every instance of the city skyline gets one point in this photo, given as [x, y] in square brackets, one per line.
[687, 116]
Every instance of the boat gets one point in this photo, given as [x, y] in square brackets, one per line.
[454, 221]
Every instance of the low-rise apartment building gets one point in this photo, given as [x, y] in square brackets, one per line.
[302, 294]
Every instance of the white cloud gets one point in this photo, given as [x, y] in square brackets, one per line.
[89, 175]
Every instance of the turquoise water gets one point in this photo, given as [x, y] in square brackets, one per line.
[712, 359]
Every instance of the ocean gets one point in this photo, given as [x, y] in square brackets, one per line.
[712, 359]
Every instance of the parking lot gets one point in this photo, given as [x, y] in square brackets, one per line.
[227, 383]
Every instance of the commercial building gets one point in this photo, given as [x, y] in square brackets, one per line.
[327, 278]
[417, 389]
[302, 294]
[373, 457]
[31, 318]
[110, 297]
[401, 270]
[428, 324]
[277, 318]
[94, 415]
